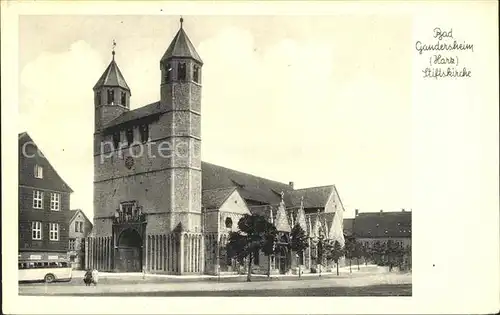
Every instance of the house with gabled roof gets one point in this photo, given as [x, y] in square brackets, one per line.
[168, 211]
[79, 228]
[44, 199]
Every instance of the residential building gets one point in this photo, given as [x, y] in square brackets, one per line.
[44, 200]
[79, 228]
[172, 213]
[371, 227]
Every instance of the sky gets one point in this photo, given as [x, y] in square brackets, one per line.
[316, 100]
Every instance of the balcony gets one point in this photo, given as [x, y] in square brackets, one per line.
[128, 218]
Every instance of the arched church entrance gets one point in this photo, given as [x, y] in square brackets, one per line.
[128, 256]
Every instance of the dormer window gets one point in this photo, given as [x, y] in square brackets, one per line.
[124, 99]
[168, 73]
[181, 72]
[98, 97]
[116, 139]
[196, 74]
[111, 97]
[38, 171]
[144, 132]
[130, 136]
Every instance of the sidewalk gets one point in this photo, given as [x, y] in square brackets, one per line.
[77, 274]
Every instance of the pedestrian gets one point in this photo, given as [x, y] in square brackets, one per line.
[95, 276]
[87, 279]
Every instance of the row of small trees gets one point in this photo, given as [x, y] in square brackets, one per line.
[256, 234]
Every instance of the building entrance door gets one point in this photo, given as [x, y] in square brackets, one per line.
[128, 256]
[282, 260]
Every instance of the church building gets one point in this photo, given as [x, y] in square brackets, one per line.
[159, 208]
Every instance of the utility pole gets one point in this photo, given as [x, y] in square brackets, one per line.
[218, 246]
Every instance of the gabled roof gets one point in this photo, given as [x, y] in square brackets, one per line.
[181, 47]
[112, 77]
[51, 179]
[71, 215]
[249, 186]
[215, 198]
[314, 197]
[375, 224]
[138, 113]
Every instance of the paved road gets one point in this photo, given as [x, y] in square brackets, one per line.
[351, 285]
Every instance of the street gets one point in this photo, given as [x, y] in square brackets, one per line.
[359, 283]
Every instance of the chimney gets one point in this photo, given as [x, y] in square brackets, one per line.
[356, 212]
[290, 184]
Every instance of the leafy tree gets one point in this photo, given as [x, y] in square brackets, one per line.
[298, 241]
[334, 251]
[255, 234]
[358, 250]
[349, 250]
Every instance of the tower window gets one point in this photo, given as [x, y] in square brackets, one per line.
[181, 71]
[144, 132]
[168, 73]
[124, 99]
[116, 139]
[130, 136]
[111, 96]
[196, 74]
[98, 97]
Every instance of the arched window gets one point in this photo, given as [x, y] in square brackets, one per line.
[98, 98]
[111, 97]
[196, 74]
[229, 223]
[168, 73]
[124, 99]
[181, 72]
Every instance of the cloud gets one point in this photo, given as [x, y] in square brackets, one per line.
[56, 108]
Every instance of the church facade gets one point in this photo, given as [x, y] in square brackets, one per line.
[159, 208]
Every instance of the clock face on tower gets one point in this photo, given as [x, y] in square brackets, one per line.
[129, 162]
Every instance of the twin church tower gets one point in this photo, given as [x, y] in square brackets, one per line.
[147, 170]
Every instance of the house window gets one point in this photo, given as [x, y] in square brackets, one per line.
[111, 97]
[229, 223]
[116, 139]
[196, 74]
[181, 72]
[55, 201]
[130, 136]
[71, 245]
[36, 230]
[38, 199]
[168, 73]
[124, 99]
[79, 226]
[54, 231]
[144, 132]
[38, 171]
[98, 97]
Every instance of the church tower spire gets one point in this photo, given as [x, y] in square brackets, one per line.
[180, 91]
[111, 94]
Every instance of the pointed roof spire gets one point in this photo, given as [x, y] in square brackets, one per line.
[301, 216]
[181, 47]
[281, 222]
[112, 76]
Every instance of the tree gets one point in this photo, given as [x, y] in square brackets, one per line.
[255, 234]
[349, 250]
[358, 250]
[298, 241]
[334, 251]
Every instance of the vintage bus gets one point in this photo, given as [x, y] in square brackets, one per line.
[48, 271]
